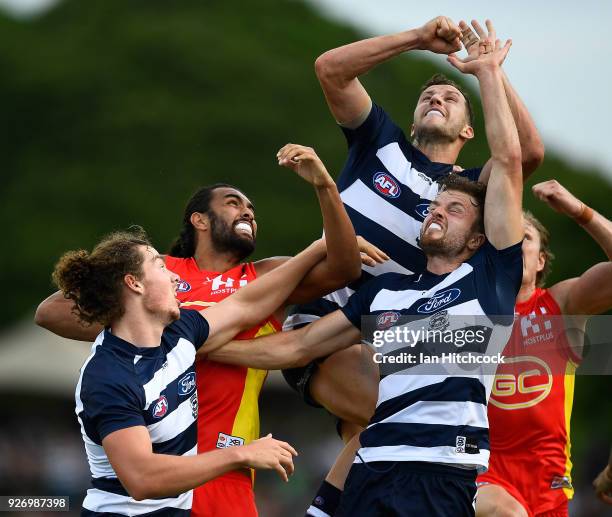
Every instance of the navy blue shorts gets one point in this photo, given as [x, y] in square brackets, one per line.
[408, 488]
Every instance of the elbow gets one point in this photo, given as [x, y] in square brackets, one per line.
[138, 490]
[326, 68]
[510, 160]
[533, 157]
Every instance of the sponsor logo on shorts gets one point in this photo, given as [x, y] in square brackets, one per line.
[439, 321]
[183, 286]
[386, 185]
[561, 482]
[227, 440]
[387, 319]
[160, 408]
[422, 210]
[439, 300]
[187, 384]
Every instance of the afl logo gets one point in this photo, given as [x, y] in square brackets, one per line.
[524, 384]
[386, 185]
[161, 407]
[422, 210]
[182, 286]
[387, 319]
[187, 384]
[439, 300]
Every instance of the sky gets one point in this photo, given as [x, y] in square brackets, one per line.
[560, 61]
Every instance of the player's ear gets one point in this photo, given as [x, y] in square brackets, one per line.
[541, 261]
[412, 131]
[133, 283]
[199, 221]
[467, 133]
[475, 241]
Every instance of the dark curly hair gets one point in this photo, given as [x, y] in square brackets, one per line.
[184, 245]
[94, 281]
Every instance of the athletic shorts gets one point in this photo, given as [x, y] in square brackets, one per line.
[224, 497]
[530, 481]
[407, 488]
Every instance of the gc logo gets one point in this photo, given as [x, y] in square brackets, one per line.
[531, 386]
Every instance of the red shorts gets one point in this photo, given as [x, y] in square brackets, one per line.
[223, 497]
[560, 510]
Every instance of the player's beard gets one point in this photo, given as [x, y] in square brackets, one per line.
[427, 135]
[226, 240]
[447, 246]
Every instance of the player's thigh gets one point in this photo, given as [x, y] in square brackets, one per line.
[346, 384]
[494, 501]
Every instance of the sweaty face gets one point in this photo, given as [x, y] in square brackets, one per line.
[232, 223]
[533, 259]
[159, 297]
[440, 115]
[449, 226]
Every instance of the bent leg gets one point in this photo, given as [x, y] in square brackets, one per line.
[495, 501]
[346, 384]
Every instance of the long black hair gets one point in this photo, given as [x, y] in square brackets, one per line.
[185, 244]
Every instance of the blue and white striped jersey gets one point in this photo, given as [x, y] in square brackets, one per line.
[122, 386]
[439, 414]
[386, 186]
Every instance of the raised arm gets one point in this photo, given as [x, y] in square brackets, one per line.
[55, 314]
[338, 69]
[292, 348]
[503, 203]
[532, 147]
[252, 303]
[591, 292]
[342, 263]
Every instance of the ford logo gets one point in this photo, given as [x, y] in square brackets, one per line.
[439, 300]
[422, 210]
[187, 384]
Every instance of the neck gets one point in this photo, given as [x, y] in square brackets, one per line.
[139, 328]
[440, 152]
[526, 291]
[209, 259]
[440, 265]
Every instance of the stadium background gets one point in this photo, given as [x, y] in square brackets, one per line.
[113, 113]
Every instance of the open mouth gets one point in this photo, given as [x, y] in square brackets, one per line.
[244, 228]
[434, 113]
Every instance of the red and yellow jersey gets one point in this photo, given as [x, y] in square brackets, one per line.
[530, 408]
[228, 395]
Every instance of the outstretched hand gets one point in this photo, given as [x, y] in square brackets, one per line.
[440, 35]
[558, 198]
[305, 162]
[490, 55]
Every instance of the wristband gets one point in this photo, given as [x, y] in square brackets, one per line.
[585, 215]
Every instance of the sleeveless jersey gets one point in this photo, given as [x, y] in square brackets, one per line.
[228, 395]
[530, 408]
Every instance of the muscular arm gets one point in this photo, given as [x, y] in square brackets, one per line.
[55, 314]
[503, 203]
[252, 303]
[532, 147]
[147, 475]
[591, 292]
[338, 69]
[293, 348]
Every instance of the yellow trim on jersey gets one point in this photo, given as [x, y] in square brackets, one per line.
[246, 423]
[199, 304]
[568, 384]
